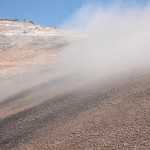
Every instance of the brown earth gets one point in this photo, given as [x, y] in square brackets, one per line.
[112, 117]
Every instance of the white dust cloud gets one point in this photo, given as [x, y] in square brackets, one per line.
[109, 41]
[116, 39]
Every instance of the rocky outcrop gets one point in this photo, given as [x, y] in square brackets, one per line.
[17, 20]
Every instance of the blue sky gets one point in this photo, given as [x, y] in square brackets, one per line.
[48, 12]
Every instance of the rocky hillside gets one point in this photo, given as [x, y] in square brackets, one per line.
[24, 42]
[44, 108]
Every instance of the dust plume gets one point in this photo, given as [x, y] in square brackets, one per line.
[110, 40]
[116, 39]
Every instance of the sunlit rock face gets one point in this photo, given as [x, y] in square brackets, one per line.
[24, 42]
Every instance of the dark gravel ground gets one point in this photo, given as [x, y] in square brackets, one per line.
[112, 117]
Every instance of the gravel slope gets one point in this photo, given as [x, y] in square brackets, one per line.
[116, 117]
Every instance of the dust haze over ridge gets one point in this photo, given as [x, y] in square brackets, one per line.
[115, 39]
[109, 41]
